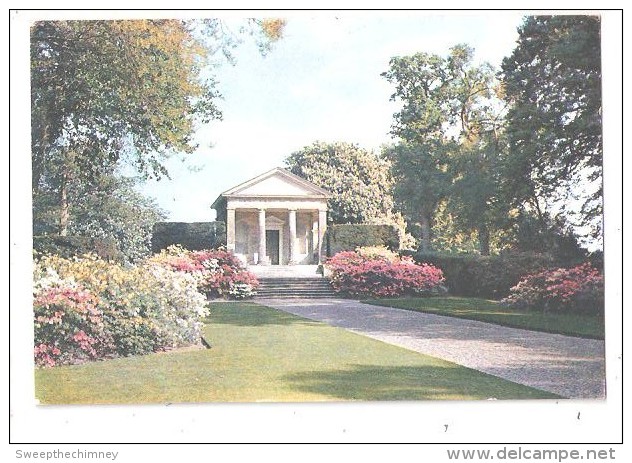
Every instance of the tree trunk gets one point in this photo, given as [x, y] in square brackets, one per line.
[64, 207]
[425, 234]
[483, 239]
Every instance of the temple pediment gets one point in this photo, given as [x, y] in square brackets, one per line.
[277, 183]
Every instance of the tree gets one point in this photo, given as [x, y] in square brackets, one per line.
[359, 180]
[421, 183]
[451, 124]
[553, 83]
[103, 91]
[109, 207]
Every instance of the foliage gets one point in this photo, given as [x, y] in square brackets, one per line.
[87, 308]
[218, 273]
[378, 253]
[553, 83]
[450, 131]
[348, 237]
[68, 325]
[450, 237]
[88, 109]
[192, 236]
[114, 209]
[421, 181]
[86, 96]
[71, 246]
[359, 181]
[574, 290]
[108, 209]
[484, 276]
[358, 275]
[553, 236]
[133, 90]
[475, 199]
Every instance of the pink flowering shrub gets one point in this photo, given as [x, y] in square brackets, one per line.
[381, 276]
[577, 289]
[219, 273]
[68, 323]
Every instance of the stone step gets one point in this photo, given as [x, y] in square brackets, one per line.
[295, 287]
[294, 281]
[296, 295]
[284, 271]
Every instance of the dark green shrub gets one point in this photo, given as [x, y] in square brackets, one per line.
[489, 277]
[194, 236]
[71, 246]
[349, 237]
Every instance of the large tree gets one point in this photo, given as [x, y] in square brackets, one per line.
[451, 126]
[102, 91]
[359, 180]
[553, 83]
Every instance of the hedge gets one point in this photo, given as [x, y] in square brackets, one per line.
[489, 277]
[348, 237]
[194, 236]
[71, 246]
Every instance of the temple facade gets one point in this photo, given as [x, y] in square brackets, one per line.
[276, 218]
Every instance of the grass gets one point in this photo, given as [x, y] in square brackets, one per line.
[261, 354]
[579, 325]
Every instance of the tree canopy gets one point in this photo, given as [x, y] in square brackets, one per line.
[103, 88]
[359, 180]
[450, 125]
[103, 92]
[554, 127]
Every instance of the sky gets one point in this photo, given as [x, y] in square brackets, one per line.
[320, 82]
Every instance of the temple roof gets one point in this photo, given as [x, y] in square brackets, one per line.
[276, 183]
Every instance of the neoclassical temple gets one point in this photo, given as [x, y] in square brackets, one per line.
[276, 218]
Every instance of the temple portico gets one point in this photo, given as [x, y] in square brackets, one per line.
[276, 218]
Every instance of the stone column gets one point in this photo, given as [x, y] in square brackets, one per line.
[322, 226]
[292, 226]
[263, 258]
[315, 238]
[230, 229]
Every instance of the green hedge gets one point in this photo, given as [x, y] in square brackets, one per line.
[193, 236]
[348, 237]
[488, 277]
[71, 246]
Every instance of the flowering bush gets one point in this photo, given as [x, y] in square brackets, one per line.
[87, 308]
[218, 273]
[578, 289]
[68, 324]
[381, 276]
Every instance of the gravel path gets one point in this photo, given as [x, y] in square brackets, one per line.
[568, 366]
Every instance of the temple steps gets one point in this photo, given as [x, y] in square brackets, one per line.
[284, 271]
[294, 287]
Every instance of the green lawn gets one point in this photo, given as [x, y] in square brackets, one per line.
[584, 326]
[260, 354]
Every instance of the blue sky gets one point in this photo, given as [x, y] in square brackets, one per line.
[320, 82]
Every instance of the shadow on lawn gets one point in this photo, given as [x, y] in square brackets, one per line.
[252, 314]
[375, 382]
